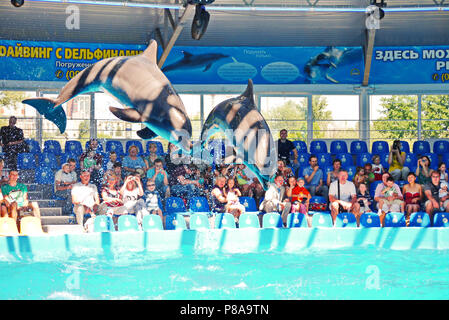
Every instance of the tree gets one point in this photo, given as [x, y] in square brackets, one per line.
[11, 99]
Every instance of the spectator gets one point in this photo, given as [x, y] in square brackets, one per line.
[283, 170]
[117, 170]
[314, 179]
[149, 161]
[3, 173]
[232, 194]
[285, 147]
[65, 178]
[181, 186]
[132, 192]
[396, 160]
[380, 198]
[133, 164]
[389, 200]
[343, 197]
[243, 180]
[152, 200]
[359, 177]
[433, 202]
[8, 209]
[423, 170]
[218, 194]
[254, 189]
[377, 168]
[364, 198]
[85, 197]
[93, 160]
[300, 198]
[174, 158]
[413, 194]
[369, 173]
[442, 193]
[276, 199]
[443, 173]
[112, 160]
[333, 175]
[16, 194]
[112, 203]
[12, 142]
[159, 176]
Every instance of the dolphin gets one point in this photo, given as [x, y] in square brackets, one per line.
[245, 127]
[191, 61]
[136, 82]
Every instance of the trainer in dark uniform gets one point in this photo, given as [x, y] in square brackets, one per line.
[285, 146]
[13, 142]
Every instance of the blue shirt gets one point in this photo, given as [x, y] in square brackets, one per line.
[159, 181]
[316, 178]
[133, 164]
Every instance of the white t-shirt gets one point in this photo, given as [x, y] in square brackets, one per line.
[85, 193]
[346, 190]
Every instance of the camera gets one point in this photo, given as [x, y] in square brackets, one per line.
[396, 145]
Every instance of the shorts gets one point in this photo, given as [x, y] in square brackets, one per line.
[445, 204]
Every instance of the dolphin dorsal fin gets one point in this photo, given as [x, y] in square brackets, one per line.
[248, 93]
[151, 51]
[187, 55]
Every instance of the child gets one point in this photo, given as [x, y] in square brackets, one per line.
[232, 194]
[300, 197]
[89, 161]
[112, 160]
[152, 200]
[131, 191]
[359, 177]
[377, 168]
[364, 198]
[442, 193]
[390, 191]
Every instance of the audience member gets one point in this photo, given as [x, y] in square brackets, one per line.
[396, 160]
[370, 175]
[112, 203]
[112, 160]
[8, 209]
[443, 172]
[343, 197]
[284, 170]
[134, 164]
[359, 177]
[152, 201]
[276, 199]
[132, 192]
[85, 197]
[300, 198]
[65, 178]
[413, 195]
[377, 168]
[333, 175]
[181, 186]
[117, 169]
[385, 204]
[92, 161]
[12, 142]
[233, 204]
[218, 194]
[314, 179]
[364, 198]
[433, 202]
[423, 170]
[285, 147]
[149, 160]
[159, 176]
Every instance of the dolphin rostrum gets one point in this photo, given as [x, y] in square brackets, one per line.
[136, 82]
[246, 129]
[191, 61]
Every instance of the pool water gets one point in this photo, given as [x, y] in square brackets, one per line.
[350, 273]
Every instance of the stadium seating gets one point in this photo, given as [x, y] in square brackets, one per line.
[272, 220]
[199, 221]
[351, 172]
[249, 204]
[26, 161]
[66, 156]
[395, 219]
[318, 146]
[199, 205]
[249, 220]
[152, 222]
[358, 147]
[103, 223]
[338, 146]
[345, 219]
[175, 205]
[421, 147]
[175, 222]
[380, 147]
[434, 160]
[127, 222]
[322, 219]
[324, 159]
[363, 158]
[369, 220]
[317, 203]
[52, 146]
[346, 159]
[224, 221]
[296, 220]
[33, 146]
[48, 160]
[73, 147]
[441, 219]
[44, 175]
[303, 159]
[405, 147]
[441, 147]
[419, 219]
[411, 161]
[99, 148]
[300, 146]
[116, 146]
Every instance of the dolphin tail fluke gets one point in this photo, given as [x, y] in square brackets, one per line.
[146, 133]
[46, 107]
[130, 115]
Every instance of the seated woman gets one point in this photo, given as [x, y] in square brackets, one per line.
[218, 194]
[133, 164]
[233, 204]
[112, 203]
[423, 170]
[333, 175]
[413, 195]
[131, 193]
[152, 157]
[396, 160]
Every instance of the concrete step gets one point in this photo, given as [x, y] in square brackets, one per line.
[49, 203]
[35, 195]
[63, 229]
[46, 212]
[56, 220]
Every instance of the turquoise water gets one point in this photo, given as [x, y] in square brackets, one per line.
[356, 273]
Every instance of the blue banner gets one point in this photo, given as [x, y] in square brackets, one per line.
[54, 61]
[410, 65]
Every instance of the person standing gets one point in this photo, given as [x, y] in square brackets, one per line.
[286, 146]
[12, 142]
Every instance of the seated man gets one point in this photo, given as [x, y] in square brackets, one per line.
[433, 202]
[343, 196]
[159, 176]
[16, 194]
[65, 178]
[84, 197]
[276, 199]
[384, 206]
[183, 187]
[314, 179]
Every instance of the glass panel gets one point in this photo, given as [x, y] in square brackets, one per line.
[435, 116]
[210, 102]
[11, 105]
[192, 103]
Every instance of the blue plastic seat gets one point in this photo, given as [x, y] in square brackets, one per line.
[44, 175]
[358, 146]
[324, 159]
[48, 160]
[395, 219]
[152, 222]
[441, 147]
[434, 160]
[296, 220]
[351, 172]
[326, 170]
[405, 147]
[321, 219]
[26, 161]
[384, 160]
[199, 221]
[421, 147]
[346, 159]
[249, 220]
[116, 146]
[127, 222]
[199, 204]
[99, 148]
[52, 146]
[175, 205]
[160, 147]
[411, 161]
[136, 143]
[339, 146]
[318, 146]
[346, 220]
[249, 204]
[272, 220]
[33, 145]
[380, 147]
[303, 159]
[363, 158]
[373, 186]
[419, 219]
[103, 224]
[73, 147]
[369, 220]
[175, 222]
[441, 219]
[317, 203]
[301, 146]
[224, 221]
[66, 156]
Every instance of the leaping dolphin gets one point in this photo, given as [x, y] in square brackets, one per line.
[190, 61]
[136, 82]
[246, 128]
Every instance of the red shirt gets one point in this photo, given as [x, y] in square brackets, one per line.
[298, 193]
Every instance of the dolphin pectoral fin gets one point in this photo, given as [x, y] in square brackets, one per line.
[130, 115]
[46, 107]
[146, 133]
[207, 67]
[151, 51]
[328, 77]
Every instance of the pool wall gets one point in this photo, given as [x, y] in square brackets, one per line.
[227, 240]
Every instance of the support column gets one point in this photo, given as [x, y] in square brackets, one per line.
[419, 124]
[364, 115]
[92, 121]
[309, 119]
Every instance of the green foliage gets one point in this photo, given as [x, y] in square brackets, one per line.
[11, 99]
